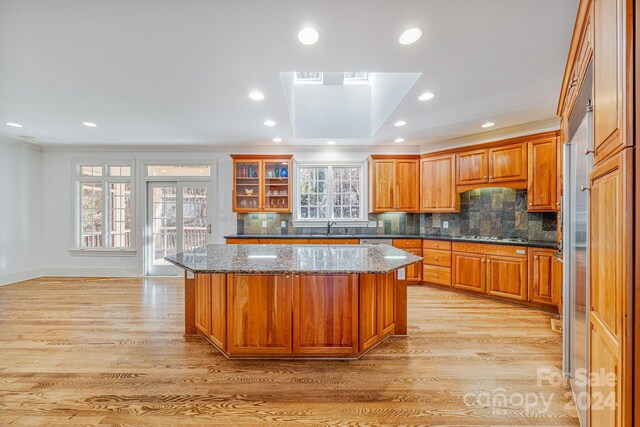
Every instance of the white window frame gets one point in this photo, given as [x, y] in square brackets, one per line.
[105, 180]
[361, 221]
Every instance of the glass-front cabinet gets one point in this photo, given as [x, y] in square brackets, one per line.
[262, 183]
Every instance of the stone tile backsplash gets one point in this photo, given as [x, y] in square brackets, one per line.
[495, 212]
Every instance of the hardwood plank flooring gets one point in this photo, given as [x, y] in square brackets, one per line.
[79, 351]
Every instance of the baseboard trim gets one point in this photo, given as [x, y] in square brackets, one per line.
[90, 272]
[19, 276]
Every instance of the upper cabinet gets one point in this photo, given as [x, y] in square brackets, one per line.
[438, 184]
[610, 87]
[497, 166]
[508, 163]
[394, 183]
[472, 167]
[261, 183]
[542, 190]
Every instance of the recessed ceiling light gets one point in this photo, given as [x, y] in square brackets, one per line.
[488, 125]
[256, 96]
[308, 36]
[15, 125]
[269, 123]
[276, 139]
[426, 96]
[410, 36]
[90, 124]
[399, 123]
[331, 142]
[398, 140]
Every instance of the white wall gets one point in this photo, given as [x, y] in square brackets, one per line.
[20, 228]
[36, 214]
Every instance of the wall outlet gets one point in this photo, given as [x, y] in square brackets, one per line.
[264, 224]
[372, 224]
[283, 224]
[380, 223]
[445, 224]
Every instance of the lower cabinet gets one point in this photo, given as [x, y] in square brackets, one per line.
[377, 308]
[329, 327]
[495, 270]
[259, 314]
[543, 285]
[469, 272]
[507, 277]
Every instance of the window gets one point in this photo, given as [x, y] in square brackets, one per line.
[329, 193]
[312, 77]
[104, 206]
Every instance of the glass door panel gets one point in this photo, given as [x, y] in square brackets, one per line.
[247, 186]
[276, 186]
[177, 220]
[194, 217]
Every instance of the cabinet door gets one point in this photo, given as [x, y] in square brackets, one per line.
[438, 184]
[507, 277]
[609, 81]
[542, 189]
[508, 163]
[407, 185]
[203, 303]
[387, 305]
[259, 314]
[469, 272]
[247, 186]
[369, 313]
[276, 189]
[611, 285]
[541, 280]
[414, 271]
[381, 182]
[325, 318]
[471, 167]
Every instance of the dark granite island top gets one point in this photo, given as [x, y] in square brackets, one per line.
[295, 259]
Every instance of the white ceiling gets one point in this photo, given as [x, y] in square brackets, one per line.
[179, 72]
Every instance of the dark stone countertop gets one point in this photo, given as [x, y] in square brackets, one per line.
[529, 243]
[278, 259]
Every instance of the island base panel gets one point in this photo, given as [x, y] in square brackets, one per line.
[340, 316]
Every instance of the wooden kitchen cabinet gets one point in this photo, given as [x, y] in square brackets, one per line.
[328, 328]
[469, 271]
[438, 184]
[472, 167]
[542, 183]
[262, 183]
[259, 314]
[203, 303]
[610, 87]
[394, 183]
[377, 308]
[495, 270]
[543, 286]
[508, 163]
[413, 271]
[507, 277]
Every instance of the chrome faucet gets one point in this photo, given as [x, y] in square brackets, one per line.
[329, 225]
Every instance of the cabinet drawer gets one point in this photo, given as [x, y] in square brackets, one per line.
[436, 244]
[243, 241]
[407, 243]
[489, 249]
[437, 257]
[436, 275]
[284, 241]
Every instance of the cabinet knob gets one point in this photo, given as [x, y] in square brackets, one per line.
[536, 257]
[287, 276]
[485, 177]
[436, 245]
[436, 258]
[436, 275]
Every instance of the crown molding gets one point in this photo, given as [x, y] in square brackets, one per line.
[546, 125]
[20, 143]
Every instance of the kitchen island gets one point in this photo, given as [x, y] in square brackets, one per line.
[295, 301]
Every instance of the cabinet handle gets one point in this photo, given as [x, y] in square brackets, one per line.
[536, 257]
[483, 261]
[587, 152]
[287, 276]
[436, 245]
[583, 188]
[485, 177]
[436, 258]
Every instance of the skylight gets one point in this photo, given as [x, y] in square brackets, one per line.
[308, 77]
[356, 78]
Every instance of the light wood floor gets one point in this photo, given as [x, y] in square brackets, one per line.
[111, 352]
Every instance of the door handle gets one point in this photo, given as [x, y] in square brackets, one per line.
[209, 228]
[583, 188]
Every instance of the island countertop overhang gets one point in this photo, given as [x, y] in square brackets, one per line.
[294, 259]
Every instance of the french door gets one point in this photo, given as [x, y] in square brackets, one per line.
[177, 220]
